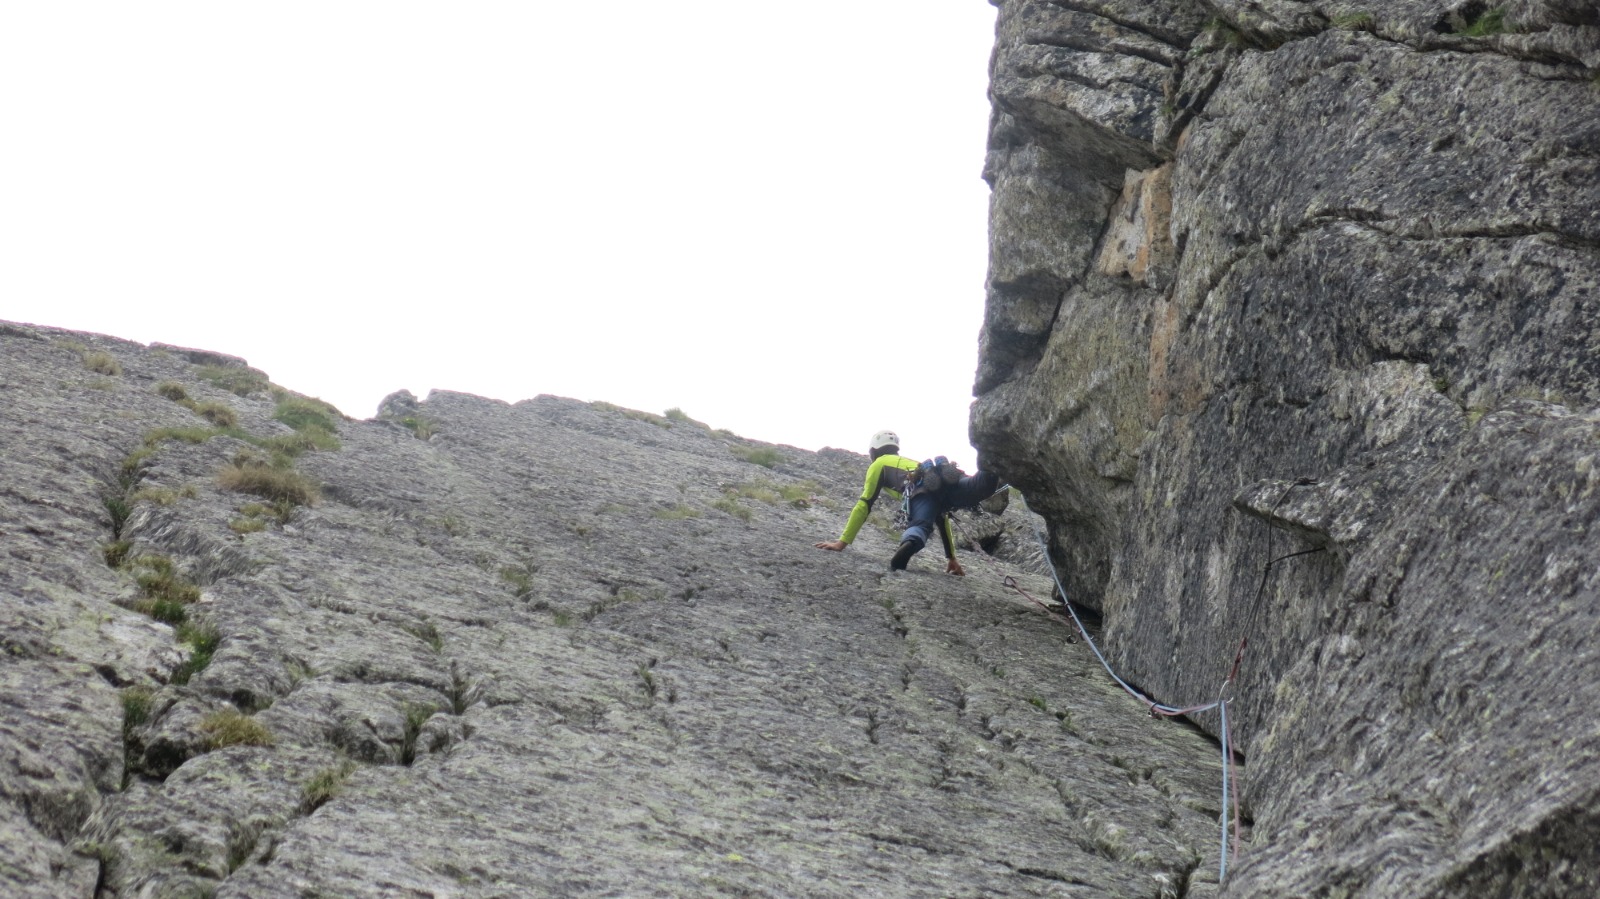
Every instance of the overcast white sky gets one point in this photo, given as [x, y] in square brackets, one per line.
[768, 215]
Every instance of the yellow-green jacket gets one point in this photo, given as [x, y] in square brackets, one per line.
[887, 474]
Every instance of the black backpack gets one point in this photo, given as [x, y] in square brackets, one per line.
[933, 474]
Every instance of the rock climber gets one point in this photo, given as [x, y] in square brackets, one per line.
[927, 508]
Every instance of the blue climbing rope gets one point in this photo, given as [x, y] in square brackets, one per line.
[1158, 709]
[1227, 757]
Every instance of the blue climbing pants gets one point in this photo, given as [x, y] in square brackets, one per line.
[926, 508]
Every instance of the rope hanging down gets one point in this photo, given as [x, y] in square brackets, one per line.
[1229, 783]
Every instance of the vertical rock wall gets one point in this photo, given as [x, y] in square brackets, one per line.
[1276, 278]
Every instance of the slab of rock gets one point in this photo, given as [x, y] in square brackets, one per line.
[543, 648]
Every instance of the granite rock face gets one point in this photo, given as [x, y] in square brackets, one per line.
[256, 649]
[1318, 284]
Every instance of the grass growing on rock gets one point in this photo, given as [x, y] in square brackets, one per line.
[102, 363]
[731, 506]
[298, 443]
[163, 496]
[279, 484]
[798, 495]
[165, 593]
[520, 579]
[416, 716]
[235, 380]
[678, 415]
[420, 426]
[203, 640]
[116, 552]
[218, 413]
[119, 509]
[677, 513]
[302, 413]
[1490, 23]
[636, 415]
[324, 786]
[137, 702]
[231, 727]
[252, 518]
[764, 456]
[196, 434]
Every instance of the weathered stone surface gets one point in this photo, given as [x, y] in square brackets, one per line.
[546, 648]
[1367, 336]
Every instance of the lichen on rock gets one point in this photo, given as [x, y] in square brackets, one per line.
[1312, 364]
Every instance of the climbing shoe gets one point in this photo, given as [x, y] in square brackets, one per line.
[908, 548]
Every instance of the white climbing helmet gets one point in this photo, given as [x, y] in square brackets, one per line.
[885, 438]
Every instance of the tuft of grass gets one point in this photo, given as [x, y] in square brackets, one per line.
[158, 579]
[634, 414]
[102, 363]
[155, 437]
[299, 442]
[520, 578]
[1490, 23]
[428, 633]
[678, 415]
[218, 413]
[799, 495]
[172, 390]
[420, 427]
[132, 468]
[136, 703]
[324, 786]
[764, 456]
[166, 611]
[203, 640]
[303, 412]
[677, 513]
[119, 509]
[731, 506]
[116, 553]
[231, 727]
[272, 483]
[237, 381]
[163, 496]
[251, 518]
[761, 492]
[416, 716]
